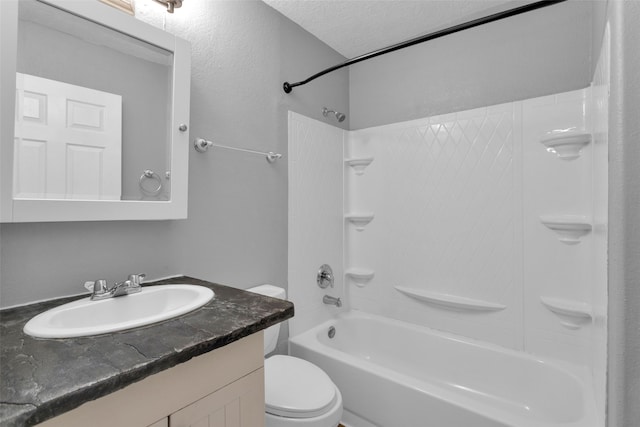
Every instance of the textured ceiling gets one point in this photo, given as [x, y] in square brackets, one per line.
[355, 27]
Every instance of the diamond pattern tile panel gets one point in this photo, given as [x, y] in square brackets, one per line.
[443, 195]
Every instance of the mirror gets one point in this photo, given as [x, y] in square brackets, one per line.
[92, 108]
[101, 109]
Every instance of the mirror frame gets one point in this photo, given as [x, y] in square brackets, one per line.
[43, 210]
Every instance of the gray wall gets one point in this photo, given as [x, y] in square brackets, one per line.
[530, 55]
[48, 260]
[242, 53]
[624, 216]
[236, 232]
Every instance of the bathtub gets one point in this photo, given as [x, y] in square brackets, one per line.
[395, 374]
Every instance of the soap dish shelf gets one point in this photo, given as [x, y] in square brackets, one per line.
[569, 228]
[567, 144]
[360, 276]
[572, 314]
[359, 220]
[359, 164]
[450, 302]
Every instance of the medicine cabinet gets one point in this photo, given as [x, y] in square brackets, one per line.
[98, 127]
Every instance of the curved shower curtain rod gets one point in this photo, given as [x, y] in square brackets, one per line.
[288, 87]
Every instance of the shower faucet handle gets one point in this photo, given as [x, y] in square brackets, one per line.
[325, 276]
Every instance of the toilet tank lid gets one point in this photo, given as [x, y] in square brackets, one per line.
[269, 290]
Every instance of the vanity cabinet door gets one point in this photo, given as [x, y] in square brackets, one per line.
[239, 404]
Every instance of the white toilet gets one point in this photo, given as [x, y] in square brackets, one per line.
[297, 392]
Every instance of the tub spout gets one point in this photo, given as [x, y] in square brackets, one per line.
[332, 301]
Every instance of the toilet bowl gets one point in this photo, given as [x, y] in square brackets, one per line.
[297, 392]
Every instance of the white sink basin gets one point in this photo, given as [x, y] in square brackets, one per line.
[85, 317]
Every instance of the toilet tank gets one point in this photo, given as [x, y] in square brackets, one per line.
[271, 333]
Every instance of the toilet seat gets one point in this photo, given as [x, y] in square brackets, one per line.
[295, 388]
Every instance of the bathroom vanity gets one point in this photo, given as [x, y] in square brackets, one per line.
[204, 364]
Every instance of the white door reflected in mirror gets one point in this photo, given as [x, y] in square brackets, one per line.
[68, 141]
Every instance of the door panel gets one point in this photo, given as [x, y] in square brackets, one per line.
[240, 404]
[81, 131]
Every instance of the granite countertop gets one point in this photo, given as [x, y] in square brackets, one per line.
[43, 378]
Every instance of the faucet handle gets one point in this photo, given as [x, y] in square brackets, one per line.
[97, 287]
[136, 279]
[324, 277]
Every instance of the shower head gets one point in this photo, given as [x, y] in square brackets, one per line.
[170, 4]
[339, 116]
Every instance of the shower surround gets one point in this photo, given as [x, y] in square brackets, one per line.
[489, 223]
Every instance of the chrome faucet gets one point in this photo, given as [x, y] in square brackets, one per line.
[100, 290]
[332, 301]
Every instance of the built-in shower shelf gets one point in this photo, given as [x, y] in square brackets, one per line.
[569, 228]
[567, 144]
[360, 276]
[359, 165]
[450, 302]
[572, 314]
[359, 220]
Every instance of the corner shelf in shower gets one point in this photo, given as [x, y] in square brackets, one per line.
[450, 302]
[569, 228]
[359, 164]
[572, 314]
[360, 276]
[359, 220]
[566, 144]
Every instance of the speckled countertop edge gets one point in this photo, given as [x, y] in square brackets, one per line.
[43, 378]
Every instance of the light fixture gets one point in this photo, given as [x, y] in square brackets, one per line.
[170, 4]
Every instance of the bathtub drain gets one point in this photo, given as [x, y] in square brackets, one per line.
[332, 332]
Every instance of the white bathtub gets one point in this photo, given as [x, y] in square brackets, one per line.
[394, 374]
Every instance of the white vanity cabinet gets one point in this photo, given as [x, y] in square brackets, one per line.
[223, 388]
